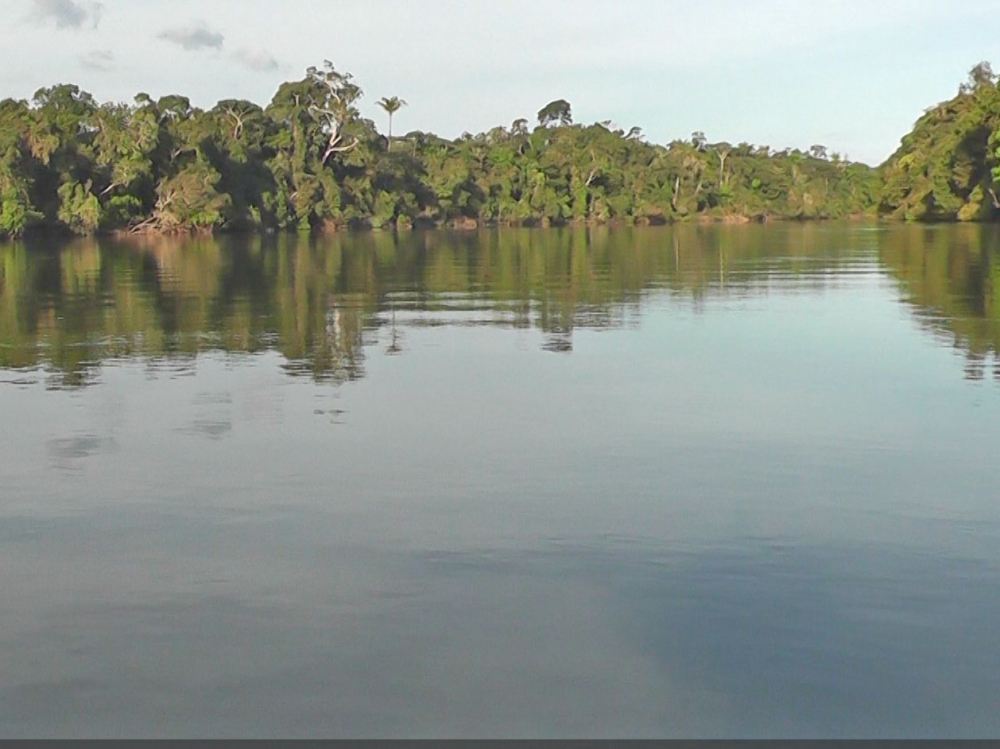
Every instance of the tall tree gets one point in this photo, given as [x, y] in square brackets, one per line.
[557, 111]
[336, 106]
[391, 105]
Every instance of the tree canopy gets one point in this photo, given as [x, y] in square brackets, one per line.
[309, 161]
[948, 168]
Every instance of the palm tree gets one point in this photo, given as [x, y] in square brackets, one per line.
[391, 105]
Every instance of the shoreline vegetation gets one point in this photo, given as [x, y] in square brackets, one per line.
[308, 162]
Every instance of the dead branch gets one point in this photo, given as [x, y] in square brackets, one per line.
[334, 148]
[178, 151]
[335, 138]
[238, 121]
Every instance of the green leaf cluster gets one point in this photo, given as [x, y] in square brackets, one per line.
[948, 167]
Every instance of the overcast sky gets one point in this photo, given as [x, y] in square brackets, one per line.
[851, 74]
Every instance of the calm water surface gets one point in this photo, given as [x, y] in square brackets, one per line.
[703, 482]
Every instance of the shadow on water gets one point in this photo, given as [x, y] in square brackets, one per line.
[792, 641]
[829, 642]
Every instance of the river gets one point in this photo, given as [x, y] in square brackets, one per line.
[693, 481]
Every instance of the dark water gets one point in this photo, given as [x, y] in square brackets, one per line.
[703, 482]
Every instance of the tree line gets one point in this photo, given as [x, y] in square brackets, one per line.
[309, 161]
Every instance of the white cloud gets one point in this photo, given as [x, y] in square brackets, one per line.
[259, 61]
[99, 60]
[194, 38]
[66, 14]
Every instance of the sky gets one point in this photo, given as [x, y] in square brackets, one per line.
[853, 75]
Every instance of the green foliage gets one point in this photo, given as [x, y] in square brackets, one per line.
[946, 169]
[17, 212]
[189, 200]
[309, 161]
[79, 208]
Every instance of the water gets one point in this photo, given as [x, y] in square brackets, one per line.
[700, 482]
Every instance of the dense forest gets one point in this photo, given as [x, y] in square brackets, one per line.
[948, 168]
[309, 161]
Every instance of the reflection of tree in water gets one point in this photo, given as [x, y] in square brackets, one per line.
[951, 276]
[558, 342]
[164, 299]
[321, 303]
[395, 346]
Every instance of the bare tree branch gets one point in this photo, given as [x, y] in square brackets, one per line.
[333, 148]
[335, 138]
[238, 118]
